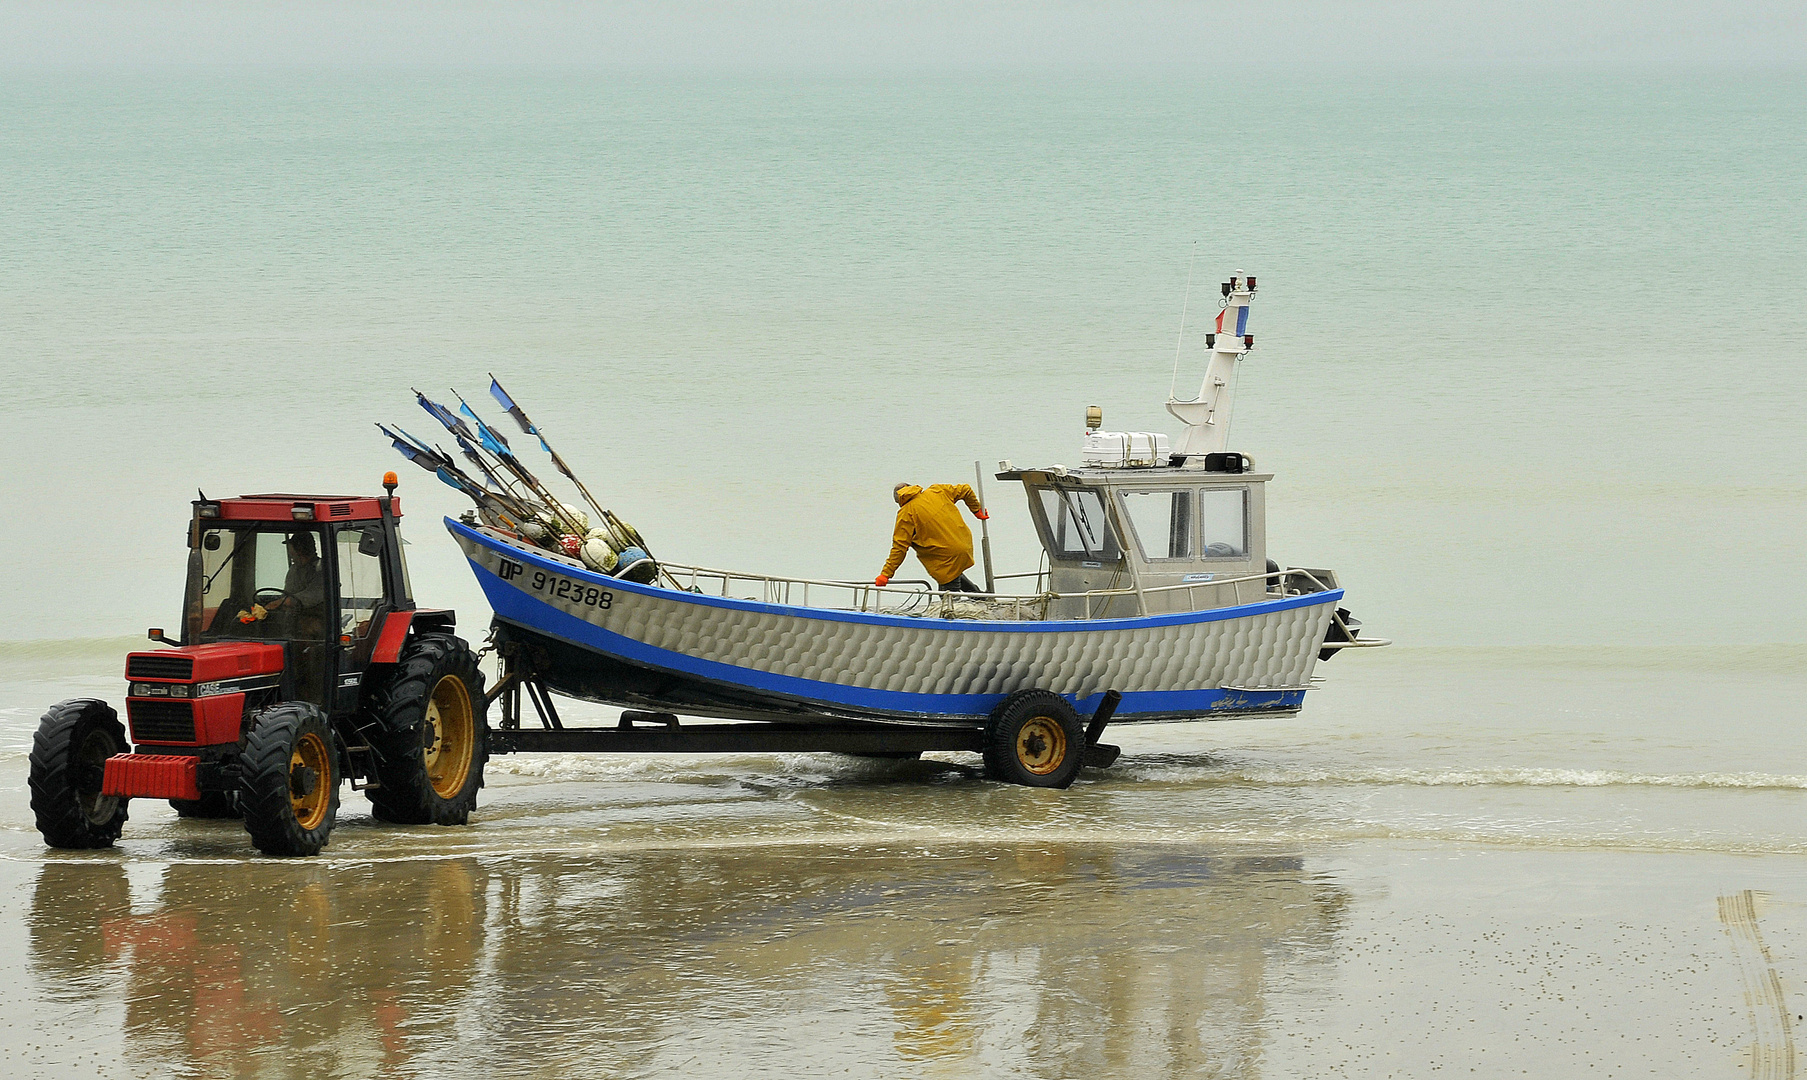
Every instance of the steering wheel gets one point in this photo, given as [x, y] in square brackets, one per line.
[259, 596]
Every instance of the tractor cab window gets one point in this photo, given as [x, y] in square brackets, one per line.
[210, 580]
[1075, 526]
[257, 582]
[270, 566]
[360, 578]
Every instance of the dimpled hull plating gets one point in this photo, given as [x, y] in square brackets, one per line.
[753, 658]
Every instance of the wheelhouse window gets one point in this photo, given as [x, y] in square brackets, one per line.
[1224, 531]
[1162, 522]
[1075, 525]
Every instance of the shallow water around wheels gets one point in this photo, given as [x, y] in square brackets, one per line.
[1350, 893]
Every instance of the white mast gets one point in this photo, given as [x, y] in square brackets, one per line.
[1207, 416]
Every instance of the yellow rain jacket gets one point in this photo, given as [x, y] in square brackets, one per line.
[930, 522]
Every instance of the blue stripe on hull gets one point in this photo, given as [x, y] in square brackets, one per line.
[516, 606]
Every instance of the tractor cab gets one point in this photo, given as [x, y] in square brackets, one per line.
[318, 574]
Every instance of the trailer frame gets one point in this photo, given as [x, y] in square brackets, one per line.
[641, 731]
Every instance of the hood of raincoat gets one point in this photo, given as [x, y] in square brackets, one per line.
[906, 493]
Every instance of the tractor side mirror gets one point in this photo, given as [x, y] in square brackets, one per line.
[370, 542]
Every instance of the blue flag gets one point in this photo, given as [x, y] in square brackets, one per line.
[519, 414]
[491, 441]
[411, 449]
[502, 398]
[444, 415]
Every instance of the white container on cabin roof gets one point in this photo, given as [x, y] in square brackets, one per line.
[1125, 449]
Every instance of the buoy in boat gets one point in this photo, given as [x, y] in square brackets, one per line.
[568, 516]
[598, 555]
[637, 566]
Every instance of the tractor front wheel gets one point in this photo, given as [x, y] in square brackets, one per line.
[290, 770]
[436, 736]
[1034, 738]
[68, 762]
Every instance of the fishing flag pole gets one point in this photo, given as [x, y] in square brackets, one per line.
[485, 437]
[984, 528]
[626, 535]
[624, 532]
[440, 464]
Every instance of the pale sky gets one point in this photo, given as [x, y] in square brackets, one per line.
[892, 35]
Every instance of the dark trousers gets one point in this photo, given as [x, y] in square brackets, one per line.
[959, 584]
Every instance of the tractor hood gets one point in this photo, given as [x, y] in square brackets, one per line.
[205, 663]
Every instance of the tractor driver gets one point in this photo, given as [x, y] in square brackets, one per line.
[302, 605]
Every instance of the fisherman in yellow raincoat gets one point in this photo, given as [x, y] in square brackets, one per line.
[928, 521]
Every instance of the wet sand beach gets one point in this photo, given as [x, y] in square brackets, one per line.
[1238, 899]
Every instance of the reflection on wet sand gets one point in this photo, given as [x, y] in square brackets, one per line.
[234, 960]
[1054, 961]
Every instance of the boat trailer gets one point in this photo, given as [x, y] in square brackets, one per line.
[649, 732]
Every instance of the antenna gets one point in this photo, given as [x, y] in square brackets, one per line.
[1184, 306]
[1175, 381]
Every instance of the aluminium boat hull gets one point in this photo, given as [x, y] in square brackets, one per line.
[599, 638]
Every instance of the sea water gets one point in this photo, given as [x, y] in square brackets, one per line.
[1528, 372]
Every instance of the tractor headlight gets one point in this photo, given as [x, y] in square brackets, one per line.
[142, 689]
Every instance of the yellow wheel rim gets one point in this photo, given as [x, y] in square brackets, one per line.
[310, 753]
[1041, 745]
[449, 737]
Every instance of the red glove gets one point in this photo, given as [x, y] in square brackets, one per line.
[882, 580]
[982, 515]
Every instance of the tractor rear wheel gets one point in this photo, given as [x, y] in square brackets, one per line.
[68, 762]
[290, 770]
[435, 735]
[1034, 738]
[211, 804]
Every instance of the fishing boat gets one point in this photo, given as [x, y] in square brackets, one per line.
[1155, 600]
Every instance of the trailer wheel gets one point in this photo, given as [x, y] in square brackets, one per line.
[435, 736]
[211, 804]
[68, 762]
[1034, 738]
[291, 780]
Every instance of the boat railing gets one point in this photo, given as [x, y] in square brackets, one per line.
[793, 591]
[922, 597]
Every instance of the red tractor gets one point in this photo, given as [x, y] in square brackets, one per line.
[303, 662]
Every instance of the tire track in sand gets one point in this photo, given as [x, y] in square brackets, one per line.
[1772, 1053]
